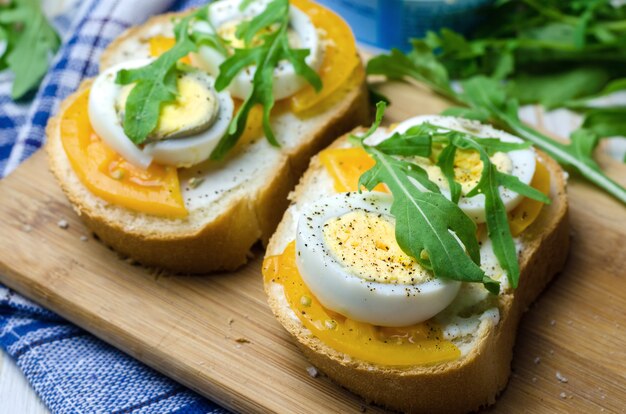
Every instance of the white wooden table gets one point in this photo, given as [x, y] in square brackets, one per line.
[16, 395]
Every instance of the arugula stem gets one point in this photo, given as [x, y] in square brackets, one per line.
[556, 151]
[552, 13]
[553, 148]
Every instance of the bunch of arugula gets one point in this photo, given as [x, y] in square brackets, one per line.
[555, 53]
[265, 49]
[430, 227]
[27, 43]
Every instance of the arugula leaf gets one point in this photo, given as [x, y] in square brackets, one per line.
[493, 145]
[446, 163]
[273, 48]
[212, 40]
[425, 218]
[419, 64]
[410, 143]
[528, 44]
[30, 43]
[606, 122]
[429, 227]
[487, 98]
[424, 221]
[496, 216]
[155, 85]
[585, 103]
[487, 93]
[477, 114]
[552, 89]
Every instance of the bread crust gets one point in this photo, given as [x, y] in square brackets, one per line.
[225, 242]
[116, 50]
[474, 380]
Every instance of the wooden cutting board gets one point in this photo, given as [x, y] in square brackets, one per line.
[216, 334]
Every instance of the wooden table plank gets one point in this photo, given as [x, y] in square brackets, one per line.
[187, 327]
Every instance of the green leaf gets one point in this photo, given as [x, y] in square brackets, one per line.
[488, 96]
[241, 59]
[493, 145]
[495, 213]
[419, 64]
[606, 122]
[33, 42]
[274, 48]
[425, 219]
[425, 222]
[551, 90]
[467, 113]
[584, 142]
[498, 225]
[155, 85]
[380, 112]
[514, 184]
[273, 13]
[410, 143]
[446, 163]
[211, 40]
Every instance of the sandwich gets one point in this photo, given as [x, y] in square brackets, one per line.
[409, 254]
[181, 152]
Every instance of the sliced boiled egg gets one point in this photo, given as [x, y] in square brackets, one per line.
[188, 128]
[468, 165]
[347, 254]
[224, 18]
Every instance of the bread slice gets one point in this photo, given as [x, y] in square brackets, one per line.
[253, 183]
[475, 379]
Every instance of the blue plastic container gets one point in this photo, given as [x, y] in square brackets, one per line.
[385, 24]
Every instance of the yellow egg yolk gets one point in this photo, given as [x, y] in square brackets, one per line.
[365, 243]
[160, 44]
[345, 166]
[193, 110]
[228, 31]
[107, 175]
[420, 344]
[467, 168]
[527, 211]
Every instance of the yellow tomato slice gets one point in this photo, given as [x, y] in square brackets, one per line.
[345, 166]
[160, 44]
[340, 64]
[528, 209]
[107, 175]
[341, 58]
[419, 344]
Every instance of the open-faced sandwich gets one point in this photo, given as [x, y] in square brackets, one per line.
[409, 292]
[181, 153]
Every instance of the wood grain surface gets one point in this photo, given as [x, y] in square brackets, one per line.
[216, 333]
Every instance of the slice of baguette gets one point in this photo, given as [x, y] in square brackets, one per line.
[475, 379]
[219, 234]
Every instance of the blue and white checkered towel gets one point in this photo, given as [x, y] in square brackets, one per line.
[72, 371]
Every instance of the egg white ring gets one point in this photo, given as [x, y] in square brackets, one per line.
[179, 152]
[523, 161]
[104, 118]
[381, 304]
[192, 150]
[286, 80]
